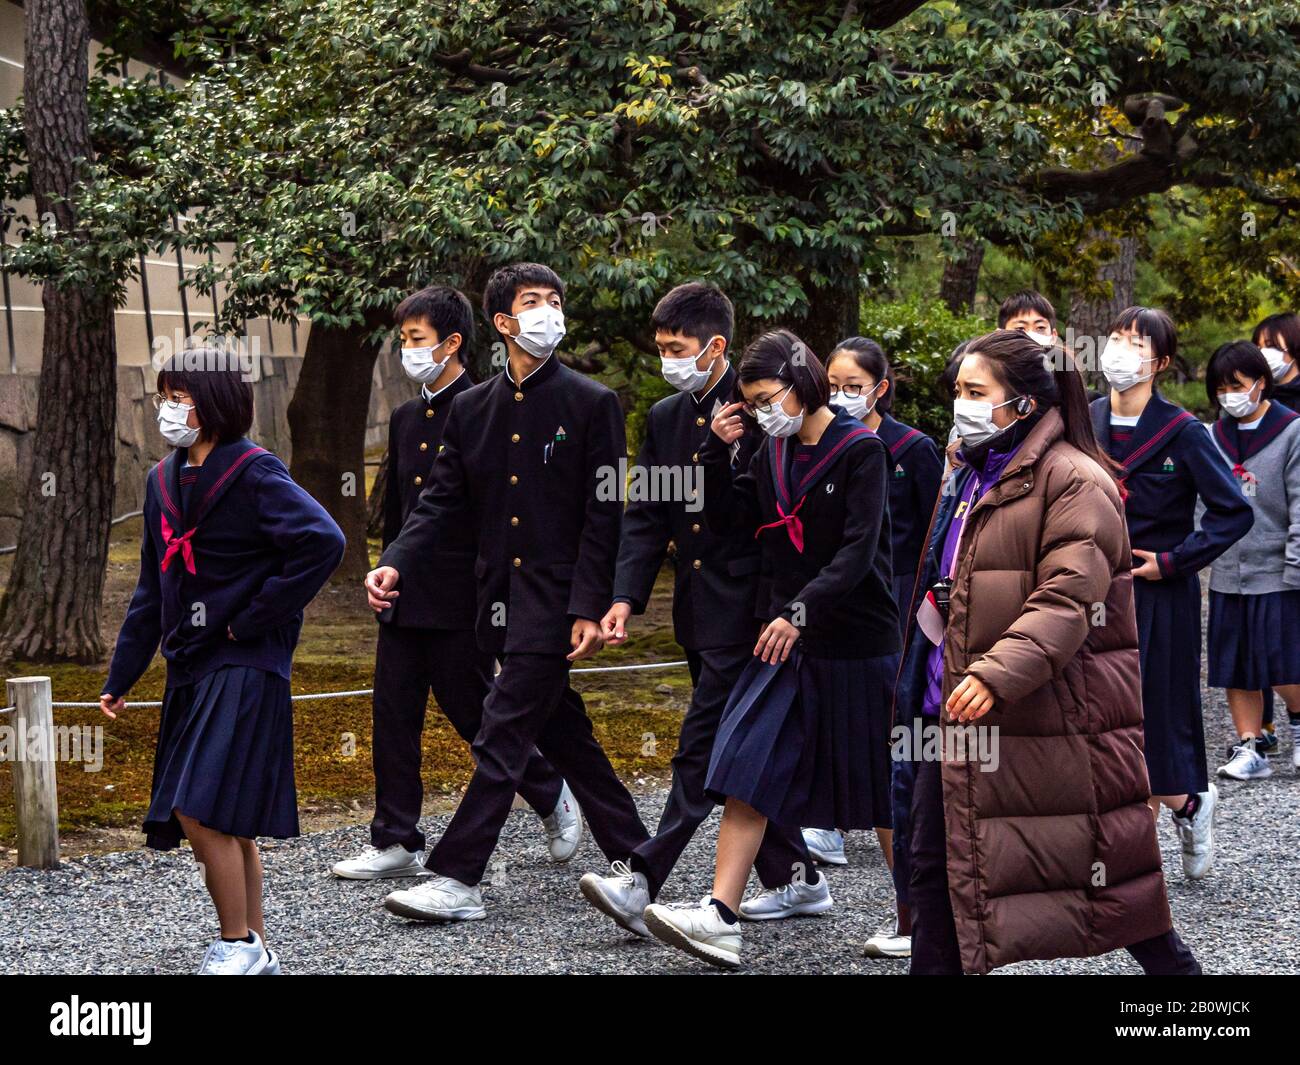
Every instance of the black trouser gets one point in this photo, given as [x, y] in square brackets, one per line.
[408, 664]
[934, 933]
[783, 855]
[530, 703]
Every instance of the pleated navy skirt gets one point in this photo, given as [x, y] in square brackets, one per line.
[1251, 640]
[1169, 644]
[225, 758]
[806, 742]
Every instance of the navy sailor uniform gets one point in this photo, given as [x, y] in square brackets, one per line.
[1169, 464]
[531, 469]
[426, 639]
[715, 620]
[915, 474]
[231, 554]
[806, 742]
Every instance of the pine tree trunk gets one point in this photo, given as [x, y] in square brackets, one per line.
[1091, 318]
[327, 425]
[961, 277]
[375, 503]
[51, 607]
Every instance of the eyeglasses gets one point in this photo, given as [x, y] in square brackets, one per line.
[852, 391]
[765, 407]
[159, 400]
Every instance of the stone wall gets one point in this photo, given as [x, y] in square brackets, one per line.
[139, 444]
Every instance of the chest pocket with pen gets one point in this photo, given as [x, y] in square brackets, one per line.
[557, 449]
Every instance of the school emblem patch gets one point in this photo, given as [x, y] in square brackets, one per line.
[1168, 466]
[560, 433]
[899, 471]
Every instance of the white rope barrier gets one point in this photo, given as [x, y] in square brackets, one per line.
[371, 691]
[11, 548]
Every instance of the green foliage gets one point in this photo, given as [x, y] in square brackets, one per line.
[919, 337]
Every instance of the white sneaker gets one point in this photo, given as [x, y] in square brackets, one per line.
[623, 896]
[796, 899]
[1197, 835]
[563, 826]
[698, 930]
[1246, 763]
[887, 943]
[235, 959]
[1295, 745]
[826, 845]
[273, 963]
[438, 899]
[374, 864]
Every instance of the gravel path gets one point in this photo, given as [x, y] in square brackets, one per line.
[139, 912]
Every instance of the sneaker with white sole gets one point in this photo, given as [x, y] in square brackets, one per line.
[1196, 834]
[622, 896]
[563, 826]
[796, 899]
[1246, 763]
[698, 930]
[438, 899]
[272, 964]
[826, 845]
[381, 864]
[887, 943]
[235, 959]
[1295, 745]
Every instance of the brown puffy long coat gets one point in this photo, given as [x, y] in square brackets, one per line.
[1053, 854]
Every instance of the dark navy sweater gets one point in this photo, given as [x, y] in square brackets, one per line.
[240, 554]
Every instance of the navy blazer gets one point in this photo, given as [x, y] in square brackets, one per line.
[250, 552]
[1169, 464]
[715, 577]
[532, 471]
[915, 473]
[440, 593]
[834, 584]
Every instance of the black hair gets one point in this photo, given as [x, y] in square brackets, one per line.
[1284, 327]
[1236, 356]
[947, 382]
[1026, 300]
[1049, 375]
[696, 309]
[446, 310]
[215, 377]
[1153, 324]
[781, 355]
[506, 281]
[870, 358]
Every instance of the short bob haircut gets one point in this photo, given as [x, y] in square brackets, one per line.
[1027, 300]
[870, 358]
[215, 378]
[445, 309]
[1154, 325]
[1233, 358]
[781, 355]
[1284, 327]
[696, 309]
[506, 281]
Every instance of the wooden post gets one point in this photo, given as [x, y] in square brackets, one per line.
[36, 800]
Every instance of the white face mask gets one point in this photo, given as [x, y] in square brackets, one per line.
[776, 422]
[855, 406]
[171, 423]
[1239, 404]
[1044, 339]
[419, 364]
[540, 330]
[683, 374]
[973, 419]
[1122, 362]
[1278, 362]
